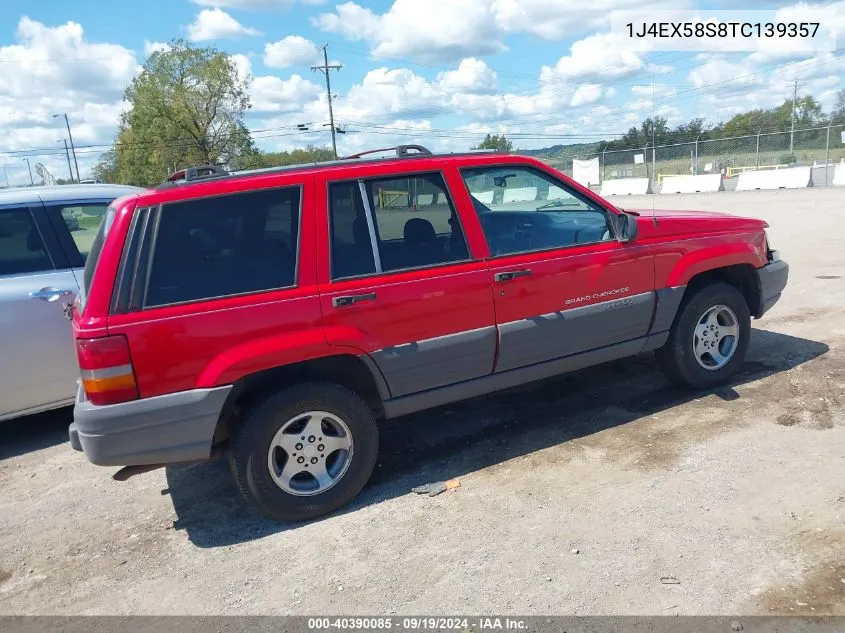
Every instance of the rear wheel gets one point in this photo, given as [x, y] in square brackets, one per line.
[305, 451]
[709, 339]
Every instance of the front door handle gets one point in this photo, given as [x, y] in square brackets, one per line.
[511, 274]
[50, 294]
[348, 300]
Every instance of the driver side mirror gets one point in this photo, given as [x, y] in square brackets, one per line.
[627, 227]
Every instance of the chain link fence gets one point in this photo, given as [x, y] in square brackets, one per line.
[819, 147]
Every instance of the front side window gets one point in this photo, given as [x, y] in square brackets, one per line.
[21, 248]
[415, 222]
[522, 209]
[225, 245]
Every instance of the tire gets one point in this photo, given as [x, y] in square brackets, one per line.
[678, 357]
[250, 459]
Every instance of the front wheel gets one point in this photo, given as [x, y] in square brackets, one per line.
[305, 451]
[709, 339]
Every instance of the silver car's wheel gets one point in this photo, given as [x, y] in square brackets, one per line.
[715, 337]
[310, 453]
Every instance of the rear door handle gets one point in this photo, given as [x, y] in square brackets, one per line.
[348, 300]
[50, 294]
[511, 274]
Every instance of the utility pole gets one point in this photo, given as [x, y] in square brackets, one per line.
[72, 149]
[792, 129]
[67, 155]
[326, 70]
[31, 181]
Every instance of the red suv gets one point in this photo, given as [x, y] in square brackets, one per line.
[279, 314]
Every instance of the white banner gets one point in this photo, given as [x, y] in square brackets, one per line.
[586, 172]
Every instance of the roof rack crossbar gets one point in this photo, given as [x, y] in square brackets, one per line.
[401, 151]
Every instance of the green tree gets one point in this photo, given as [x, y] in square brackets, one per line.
[808, 112]
[661, 130]
[749, 122]
[495, 142]
[257, 159]
[106, 167]
[186, 107]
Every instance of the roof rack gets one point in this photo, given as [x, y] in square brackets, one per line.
[401, 151]
[189, 174]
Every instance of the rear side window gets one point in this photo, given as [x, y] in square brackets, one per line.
[415, 222]
[21, 248]
[352, 248]
[225, 245]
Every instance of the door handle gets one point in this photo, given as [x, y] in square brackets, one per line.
[348, 300]
[50, 294]
[511, 274]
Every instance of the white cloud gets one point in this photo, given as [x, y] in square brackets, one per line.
[216, 24]
[57, 62]
[600, 56]
[242, 66]
[254, 4]
[557, 19]
[467, 91]
[293, 50]
[586, 94]
[385, 91]
[446, 30]
[472, 76]
[657, 91]
[718, 70]
[153, 47]
[272, 94]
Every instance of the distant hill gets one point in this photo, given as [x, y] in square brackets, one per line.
[563, 151]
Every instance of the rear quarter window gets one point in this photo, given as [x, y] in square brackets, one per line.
[225, 245]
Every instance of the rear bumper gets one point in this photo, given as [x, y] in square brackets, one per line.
[175, 427]
[772, 280]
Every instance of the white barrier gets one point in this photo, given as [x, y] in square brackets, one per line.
[625, 186]
[692, 184]
[519, 194]
[425, 199]
[483, 196]
[839, 174]
[790, 178]
[556, 193]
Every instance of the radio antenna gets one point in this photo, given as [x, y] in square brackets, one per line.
[653, 155]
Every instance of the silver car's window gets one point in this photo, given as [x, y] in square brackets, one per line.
[83, 221]
[94, 252]
[21, 248]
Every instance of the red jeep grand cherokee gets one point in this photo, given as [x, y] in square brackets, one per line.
[278, 314]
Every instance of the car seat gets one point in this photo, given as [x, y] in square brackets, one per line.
[421, 242]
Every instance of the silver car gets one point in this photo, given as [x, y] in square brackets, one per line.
[45, 236]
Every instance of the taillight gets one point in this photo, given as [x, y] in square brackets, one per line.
[106, 367]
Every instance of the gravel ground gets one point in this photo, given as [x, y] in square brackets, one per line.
[601, 492]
